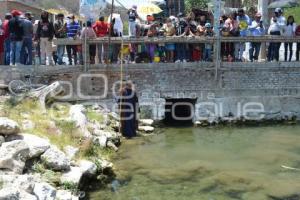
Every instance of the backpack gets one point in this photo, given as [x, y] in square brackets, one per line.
[16, 29]
[297, 32]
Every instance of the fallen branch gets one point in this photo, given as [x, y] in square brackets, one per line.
[47, 92]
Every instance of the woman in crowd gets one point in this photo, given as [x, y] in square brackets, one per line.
[45, 34]
[201, 32]
[273, 50]
[152, 32]
[89, 33]
[194, 51]
[289, 31]
[170, 47]
[232, 25]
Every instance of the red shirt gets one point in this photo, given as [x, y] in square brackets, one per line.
[5, 29]
[101, 28]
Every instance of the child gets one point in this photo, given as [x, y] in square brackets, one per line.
[89, 33]
[208, 47]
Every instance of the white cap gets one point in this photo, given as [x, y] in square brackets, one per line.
[278, 10]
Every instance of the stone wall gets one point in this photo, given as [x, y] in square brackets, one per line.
[274, 85]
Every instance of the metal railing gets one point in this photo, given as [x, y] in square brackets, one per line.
[177, 39]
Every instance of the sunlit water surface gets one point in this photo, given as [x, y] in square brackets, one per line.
[208, 164]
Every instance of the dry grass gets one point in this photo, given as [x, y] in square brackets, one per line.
[54, 125]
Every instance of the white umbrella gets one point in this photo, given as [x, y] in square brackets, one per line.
[284, 4]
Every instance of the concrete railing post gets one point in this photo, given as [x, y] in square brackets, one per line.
[217, 42]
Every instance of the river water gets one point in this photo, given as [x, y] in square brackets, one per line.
[208, 164]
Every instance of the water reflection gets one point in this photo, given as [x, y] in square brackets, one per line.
[213, 164]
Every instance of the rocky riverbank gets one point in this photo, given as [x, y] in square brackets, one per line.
[58, 154]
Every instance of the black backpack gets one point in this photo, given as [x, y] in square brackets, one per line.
[16, 29]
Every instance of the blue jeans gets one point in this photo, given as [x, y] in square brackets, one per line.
[254, 51]
[181, 52]
[273, 50]
[60, 54]
[207, 54]
[7, 51]
[15, 52]
[26, 52]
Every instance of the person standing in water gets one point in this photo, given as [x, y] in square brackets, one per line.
[128, 104]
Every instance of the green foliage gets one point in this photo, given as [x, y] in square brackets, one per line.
[52, 177]
[11, 102]
[67, 127]
[48, 175]
[200, 4]
[294, 12]
[39, 167]
[94, 116]
[70, 186]
[250, 3]
[88, 149]
[1, 184]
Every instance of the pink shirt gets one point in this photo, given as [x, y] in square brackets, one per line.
[88, 32]
[231, 24]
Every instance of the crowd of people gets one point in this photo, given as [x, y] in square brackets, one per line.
[26, 41]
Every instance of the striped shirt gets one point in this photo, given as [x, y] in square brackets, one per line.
[73, 29]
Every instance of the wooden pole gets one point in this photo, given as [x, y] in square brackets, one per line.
[121, 85]
[263, 9]
[109, 36]
[217, 44]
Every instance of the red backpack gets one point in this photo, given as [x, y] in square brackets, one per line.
[297, 33]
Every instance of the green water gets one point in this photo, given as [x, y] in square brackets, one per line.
[209, 164]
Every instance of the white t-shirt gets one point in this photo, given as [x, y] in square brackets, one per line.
[289, 30]
[281, 21]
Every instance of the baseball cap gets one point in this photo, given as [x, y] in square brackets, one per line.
[278, 10]
[16, 13]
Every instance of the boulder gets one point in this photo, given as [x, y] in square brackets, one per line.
[77, 114]
[37, 145]
[27, 196]
[100, 141]
[71, 151]
[44, 191]
[87, 167]
[108, 134]
[13, 156]
[146, 122]
[146, 129]
[73, 176]
[10, 193]
[8, 126]
[65, 195]
[55, 159]
[22, 182]
[2, 140]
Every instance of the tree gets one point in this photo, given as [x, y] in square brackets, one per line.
[199, 4]
[250, 4]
